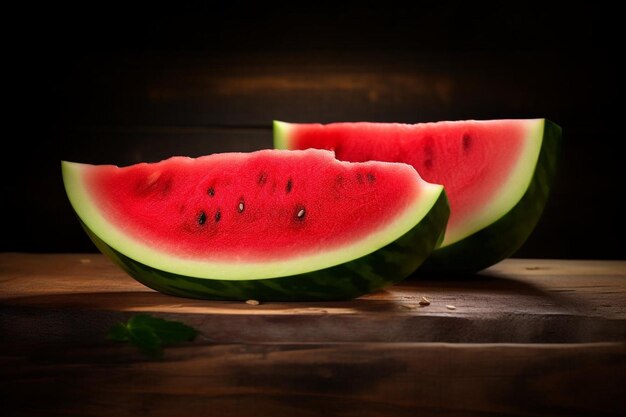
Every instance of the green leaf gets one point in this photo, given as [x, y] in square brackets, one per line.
[168, 331]
[118, 332]
[150, 333]
[147, 341]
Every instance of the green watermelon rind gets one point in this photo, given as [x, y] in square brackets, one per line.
[505, 236]
[377, 270]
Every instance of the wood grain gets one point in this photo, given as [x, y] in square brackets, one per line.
[77, 297]
[377, 379]
[547, 338]
[251, 89]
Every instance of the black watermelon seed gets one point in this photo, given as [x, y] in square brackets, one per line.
[202, 218]
[467, 142]
[289, 186]
[211, 191]
[218, 216]
[428, 156]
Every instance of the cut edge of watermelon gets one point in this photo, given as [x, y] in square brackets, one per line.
[112, 235]
[510, 192]
[505, 236]
[508, 195]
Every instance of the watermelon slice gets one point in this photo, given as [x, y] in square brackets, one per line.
[267, 225]
[496, 173]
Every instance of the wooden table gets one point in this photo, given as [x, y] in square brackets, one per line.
[526, 337]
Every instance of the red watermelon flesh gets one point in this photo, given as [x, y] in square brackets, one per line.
[482, 164]
[251, 206]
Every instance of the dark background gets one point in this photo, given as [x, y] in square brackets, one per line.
[113, 83]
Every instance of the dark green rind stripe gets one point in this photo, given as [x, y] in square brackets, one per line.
[386, 266]
[502, 238]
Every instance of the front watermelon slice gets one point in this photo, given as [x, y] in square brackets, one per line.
[266, 225]
[496, 173]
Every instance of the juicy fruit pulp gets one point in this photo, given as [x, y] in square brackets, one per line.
[487, 168]
[220, 213]
[234, 225]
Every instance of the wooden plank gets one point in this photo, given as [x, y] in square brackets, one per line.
[319, 379]
[251, 89]
[75, 298]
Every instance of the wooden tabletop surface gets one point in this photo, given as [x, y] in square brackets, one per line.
[525, 337]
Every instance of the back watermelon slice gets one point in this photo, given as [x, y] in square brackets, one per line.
[266, 225]
[497, 175]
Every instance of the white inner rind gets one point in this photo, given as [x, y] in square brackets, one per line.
[504, 199]
[510, 192]
[239, 269]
